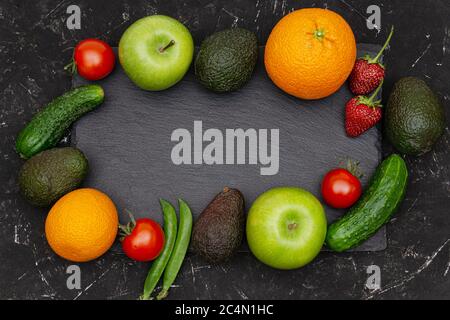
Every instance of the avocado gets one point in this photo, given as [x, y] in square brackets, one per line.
[50, 174]
[226, 59]
[414, 118]
[219, 229]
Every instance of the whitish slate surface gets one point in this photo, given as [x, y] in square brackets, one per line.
[128, 142]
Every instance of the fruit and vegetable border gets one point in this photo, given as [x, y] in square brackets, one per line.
[285, 227]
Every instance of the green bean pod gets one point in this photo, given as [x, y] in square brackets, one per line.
[158, 266]
[180, 249]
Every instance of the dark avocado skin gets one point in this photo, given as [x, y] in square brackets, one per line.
[218, 231]
[50, 174]
[226, 60]
[414, 118]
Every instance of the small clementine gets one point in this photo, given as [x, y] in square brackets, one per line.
[82, 225]
[310, 53]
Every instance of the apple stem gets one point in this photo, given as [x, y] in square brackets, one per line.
[292, 226]
[171, 43]
[375, 60]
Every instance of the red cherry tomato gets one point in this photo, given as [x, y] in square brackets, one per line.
[94, 59]
[341, 189]
[143, 240]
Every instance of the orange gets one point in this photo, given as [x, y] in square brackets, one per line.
[82, 225]
[310, 53]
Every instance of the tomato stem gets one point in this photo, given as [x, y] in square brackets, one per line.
[171, 43]
[127, 229]
[319, 34]
[369, 101]
[375, 94]
[133, 221]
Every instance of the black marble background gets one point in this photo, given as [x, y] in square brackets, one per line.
[34, 47]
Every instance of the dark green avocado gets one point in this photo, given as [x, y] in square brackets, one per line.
[414, 117]
[226, 60]
[50, 174]
[218, 231]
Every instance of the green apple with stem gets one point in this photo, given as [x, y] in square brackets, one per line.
[156, 52]
[286, 227]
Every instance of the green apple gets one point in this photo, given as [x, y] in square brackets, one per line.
[286, 227]
[156, 52]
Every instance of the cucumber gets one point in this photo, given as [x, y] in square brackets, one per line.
[375, 208]
[50, 124]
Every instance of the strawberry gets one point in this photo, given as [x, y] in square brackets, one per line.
[368, 72]
[362, 113]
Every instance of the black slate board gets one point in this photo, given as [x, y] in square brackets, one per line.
[128, 142]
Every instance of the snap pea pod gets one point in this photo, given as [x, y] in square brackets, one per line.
[180, 249]
[158, 266]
